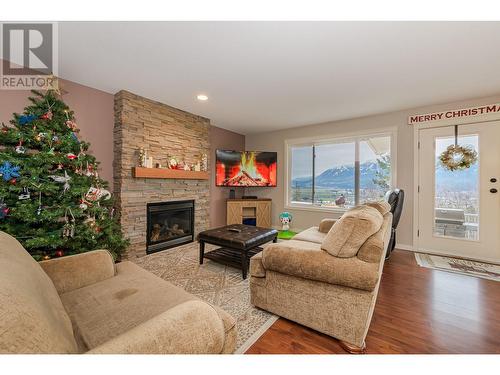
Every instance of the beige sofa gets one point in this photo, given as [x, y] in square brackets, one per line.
[301, 281]
[86, 304]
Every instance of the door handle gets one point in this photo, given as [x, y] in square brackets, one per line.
[493, 190]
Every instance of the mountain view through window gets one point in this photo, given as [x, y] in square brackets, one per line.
[345, 173]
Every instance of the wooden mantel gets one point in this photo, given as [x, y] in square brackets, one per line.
[140, 172]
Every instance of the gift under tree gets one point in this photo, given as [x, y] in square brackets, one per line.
[51, 197]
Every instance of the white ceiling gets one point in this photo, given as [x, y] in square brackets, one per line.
[263, 76]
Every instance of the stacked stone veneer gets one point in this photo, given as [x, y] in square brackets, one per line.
[163, 131]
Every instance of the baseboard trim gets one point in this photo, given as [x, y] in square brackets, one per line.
[401, 246]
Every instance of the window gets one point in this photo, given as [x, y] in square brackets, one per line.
[339, 173]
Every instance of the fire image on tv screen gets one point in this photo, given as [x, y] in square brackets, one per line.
[245, 168]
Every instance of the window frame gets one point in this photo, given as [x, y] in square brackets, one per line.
[329, 139]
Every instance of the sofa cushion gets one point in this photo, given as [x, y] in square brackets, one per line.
[381, 206]
[32, 317]
[111, 307]
[309, 261]
[326, 224]
[375, 246]
[351, 231]
[311, 235]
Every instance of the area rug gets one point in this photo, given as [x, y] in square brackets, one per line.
[462, 266]
[215, 283]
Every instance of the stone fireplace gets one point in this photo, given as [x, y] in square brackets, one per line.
[169, 224]
[164, 132]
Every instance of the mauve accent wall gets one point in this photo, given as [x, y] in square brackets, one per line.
[94, 115]
[221, 139]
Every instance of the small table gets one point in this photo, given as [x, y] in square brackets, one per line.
[238, 244]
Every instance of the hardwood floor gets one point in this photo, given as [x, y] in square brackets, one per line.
[418, 310]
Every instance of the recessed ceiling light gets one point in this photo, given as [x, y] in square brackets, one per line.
[202, 97]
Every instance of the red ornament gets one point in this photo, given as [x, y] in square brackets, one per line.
[6, 211]
[47, 116]
[71, 156]
[5, 129]
[13, 181]
[59, 253]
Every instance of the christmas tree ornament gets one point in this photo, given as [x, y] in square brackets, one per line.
[95, 194]
[62, 180]
[47, 115]
[20, 148]
[4, 210]
[46, 257]
[71, 156]
[69, 226]
[90, 170]
[60, 166]
[5, 129]
[25, 194]
[74, 137]
[39, 209]
[71, 125]
[59, 253]
[9, 171]
[26, 119]
[90, 221]
[81, 154]
[40, 136]
[55, 139]
[13, 181]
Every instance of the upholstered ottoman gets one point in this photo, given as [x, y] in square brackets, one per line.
[238, 244]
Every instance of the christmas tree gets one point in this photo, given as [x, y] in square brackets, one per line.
[51, 197]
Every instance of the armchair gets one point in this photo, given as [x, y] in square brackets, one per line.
[302, 281]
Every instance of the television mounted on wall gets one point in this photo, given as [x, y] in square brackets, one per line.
[245, 168]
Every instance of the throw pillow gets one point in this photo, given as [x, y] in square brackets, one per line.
[382, 206]
[350, 232]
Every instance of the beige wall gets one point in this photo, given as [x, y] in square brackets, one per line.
[274, 141]
[93, 112]
[223, 140]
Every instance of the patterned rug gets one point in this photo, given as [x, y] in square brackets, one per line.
[215, 283]
[462, 266]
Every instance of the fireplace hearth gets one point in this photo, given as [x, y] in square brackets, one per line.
[169, 224]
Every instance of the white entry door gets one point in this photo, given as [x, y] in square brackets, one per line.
[459, 211]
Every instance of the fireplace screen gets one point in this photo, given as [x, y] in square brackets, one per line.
[169, 224]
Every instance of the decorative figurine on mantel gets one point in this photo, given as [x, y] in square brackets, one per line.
[197, 167]
[173, 163]
[204, 162]
[142, 157]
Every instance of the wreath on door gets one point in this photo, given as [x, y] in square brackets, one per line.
[457, 157]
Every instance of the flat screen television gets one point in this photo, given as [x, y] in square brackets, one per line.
[245, 168]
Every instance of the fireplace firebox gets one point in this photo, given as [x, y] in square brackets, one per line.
[169, 224]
